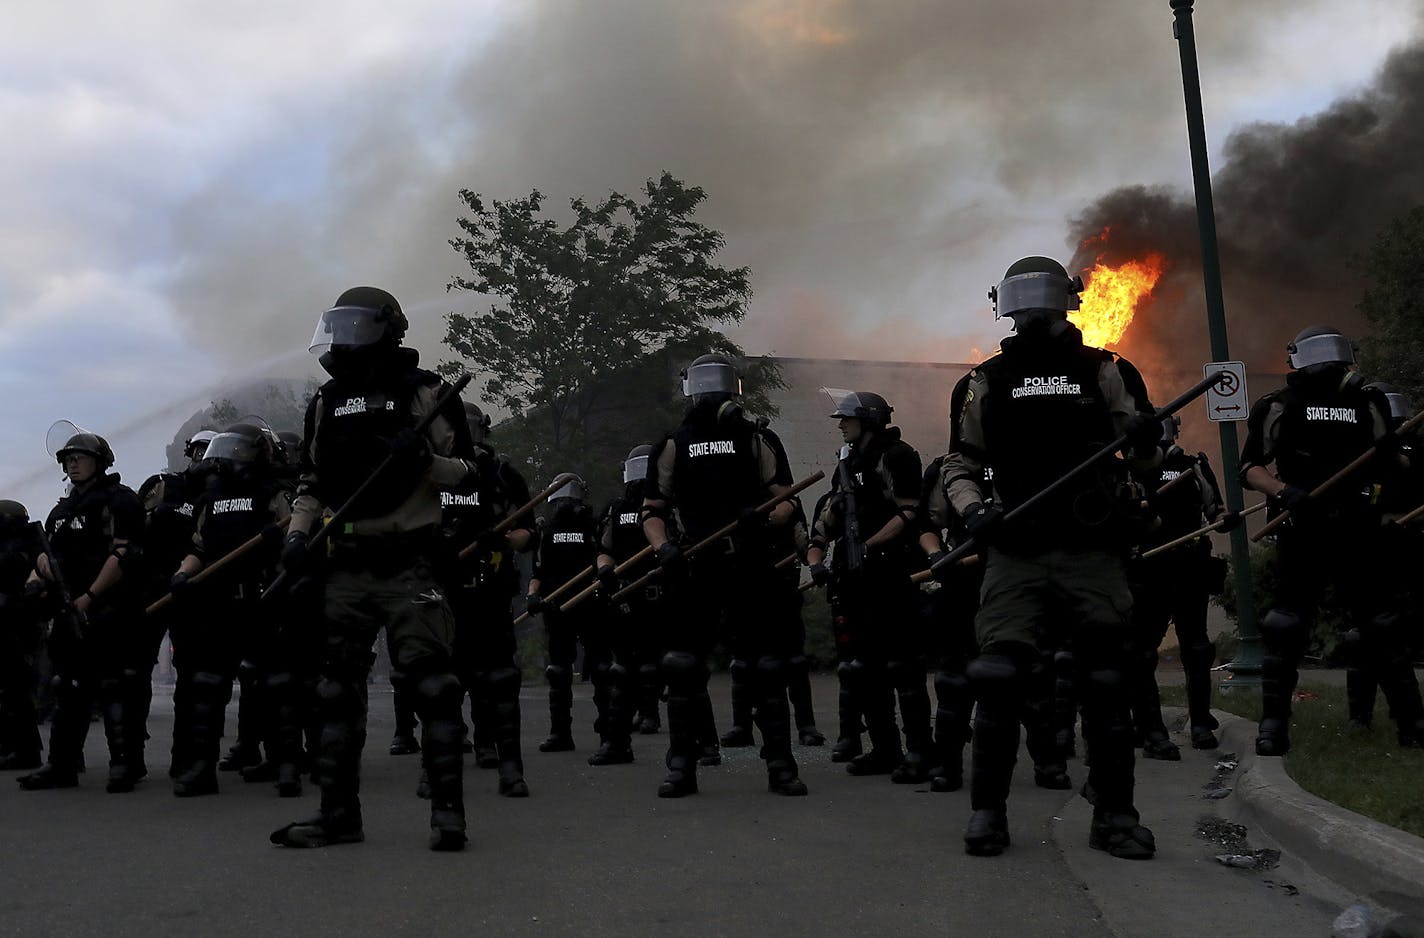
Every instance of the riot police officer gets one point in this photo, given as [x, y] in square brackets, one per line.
[95, 533]
[484, 585]
[1318, 423]
[1031, 413]
[1174, 587]
[170, 505]
[1402, 491]
[716, 469]
[568, 544]
[226, 627]
[21, 633]
[379, 572]
[875, 592]
[632, 623]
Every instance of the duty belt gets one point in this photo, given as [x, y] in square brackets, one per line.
[383, 551]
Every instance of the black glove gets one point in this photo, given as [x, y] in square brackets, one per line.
[608, 578]
[534, 604]
[272, 533]
[820, 574]
[1143, 431]
[671, 560]
[180, 584]
[411, 448]
[983, 520]
[1292, 498]
[944, 572]
[294, 551]
[1228, 521]
[749, 519]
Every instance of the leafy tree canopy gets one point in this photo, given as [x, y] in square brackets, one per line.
[591, 321]
[1394, 305]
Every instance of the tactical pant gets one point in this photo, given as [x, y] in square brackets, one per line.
[643, 617]
[564, 631]
[211, 651]
[889, 655]
[950, 613]
[103, 663]
[373, 583]
[292, 673]
[1023, 599]
[20, 637]
[1171, 589]
[718, 590]
[485, 651]
[1339, 550]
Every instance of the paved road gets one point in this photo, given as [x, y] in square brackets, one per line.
[593, 852]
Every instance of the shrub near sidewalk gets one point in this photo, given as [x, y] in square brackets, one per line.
[1367, 773]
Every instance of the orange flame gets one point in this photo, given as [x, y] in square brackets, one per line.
[1112, 296]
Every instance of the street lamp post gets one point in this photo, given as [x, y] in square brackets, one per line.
[1246, 668]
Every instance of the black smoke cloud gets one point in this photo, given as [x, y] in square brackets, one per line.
[1294, 204]
[872, 163]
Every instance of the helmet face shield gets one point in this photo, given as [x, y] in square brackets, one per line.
[235, 448]
[1398, 406]
[1034, 291]
[1170, 427]
[574, 488]
[711, 378]
[844, 402]
[1328, 349]
[348, 327]
[635, 469]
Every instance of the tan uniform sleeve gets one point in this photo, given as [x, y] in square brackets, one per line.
[962, 469]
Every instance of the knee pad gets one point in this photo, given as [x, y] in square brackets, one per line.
[682, 668]
[1202, 654]
[648, 673]
[950, 685]
[994, 678]
[109, 687]
[1355, 648]
[739, 669]
[1103, 683]
[247, 671]
[280, 682]
[617, 673]
[843, 672]
[503, 682]
[558, 674]
[1284, 632]
[1386, 632]
[440, 689]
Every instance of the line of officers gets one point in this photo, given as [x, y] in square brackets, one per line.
[1056, 617]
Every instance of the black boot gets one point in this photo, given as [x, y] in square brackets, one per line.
[49, 776]
[1157, 745]
[987, 834]
[332, 825]
[561, 702]
[781, 778]
[611, 753]
[404, 745]
[1197, 662]
[447, 826]
[681, 779]
[1121, 836]
[124, 773]
[199, 778]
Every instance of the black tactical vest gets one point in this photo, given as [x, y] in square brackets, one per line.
[1322, 429]
[81, 530]
[1179, 509]
[235, 510]
[567, 544]
[620, 519]
[168, 533]
[1044, 414]
[716, 473]
[356, 424]
[472, 509]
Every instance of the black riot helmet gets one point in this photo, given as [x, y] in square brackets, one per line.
[291, 446]
[711, 376]
[12, 512]
[478, 422]
[1036, 287]
[361, 317]
[1399, 407]
[240, 445]
[635, 465]
[91, 444]
[574, 489]
[869, 408]
[1320, 348]
[197, 444]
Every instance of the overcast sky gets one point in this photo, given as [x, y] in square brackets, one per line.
[186, 186]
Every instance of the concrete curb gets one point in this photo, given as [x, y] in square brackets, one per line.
[1375, 861]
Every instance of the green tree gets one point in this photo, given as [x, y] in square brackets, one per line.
[1394, 304]
[590, 320]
